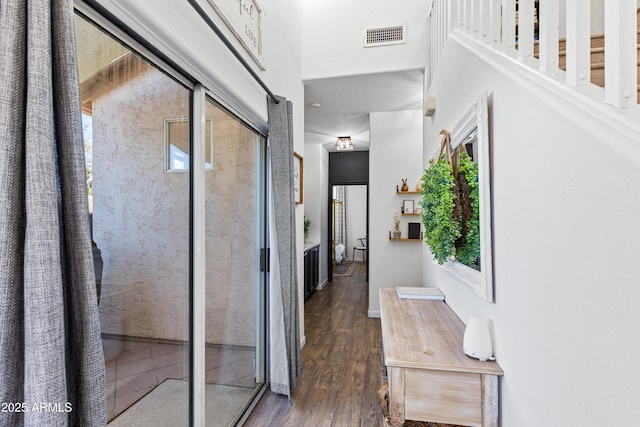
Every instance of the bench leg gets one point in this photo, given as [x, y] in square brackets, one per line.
[489, 400]
[396, 396]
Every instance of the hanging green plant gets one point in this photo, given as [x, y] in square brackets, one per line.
[450, 204]
[438, 203]
[468, 244]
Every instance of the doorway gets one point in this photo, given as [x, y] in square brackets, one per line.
[349, 219]
[348, 174]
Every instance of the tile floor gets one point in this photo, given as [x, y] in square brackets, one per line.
[135, 367]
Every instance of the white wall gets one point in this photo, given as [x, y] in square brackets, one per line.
[395, 153]
[333, 37]
[566, 233]
[177, 30]
[316, 176]
[356, 210]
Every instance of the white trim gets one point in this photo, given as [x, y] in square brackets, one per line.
[322, 285]
[374, 314]
[303, 341]
[199, 256]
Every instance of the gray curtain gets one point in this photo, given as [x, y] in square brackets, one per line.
[284, 217]
[50, 349]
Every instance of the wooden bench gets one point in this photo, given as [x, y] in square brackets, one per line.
[430, 377]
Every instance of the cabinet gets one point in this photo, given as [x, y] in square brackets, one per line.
[311, 270]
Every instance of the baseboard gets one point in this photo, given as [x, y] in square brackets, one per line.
[303, 341]
[374, 314]
[322, 285]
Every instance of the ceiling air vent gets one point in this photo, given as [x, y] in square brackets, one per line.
[384, 36]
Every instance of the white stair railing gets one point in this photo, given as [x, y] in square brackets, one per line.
[620, 55]
[578, 42]
[508, 26]
[525, 31]
[549, 35]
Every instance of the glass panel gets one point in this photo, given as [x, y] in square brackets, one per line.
[234, 236]
[176, 144]
[140, 227]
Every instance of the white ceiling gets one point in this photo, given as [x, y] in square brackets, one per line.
[347, 101]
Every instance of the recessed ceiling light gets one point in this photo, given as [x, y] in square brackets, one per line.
[315, 105]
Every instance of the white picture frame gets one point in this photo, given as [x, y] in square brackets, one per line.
[476, 120]
[408, 206]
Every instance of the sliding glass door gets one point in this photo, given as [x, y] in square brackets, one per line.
[235, 234]
[141, 176]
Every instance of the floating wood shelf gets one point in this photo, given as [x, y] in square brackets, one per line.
[408, 192]
[412, 214]
[404, 239]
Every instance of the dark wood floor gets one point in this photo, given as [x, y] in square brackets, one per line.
[340, 362]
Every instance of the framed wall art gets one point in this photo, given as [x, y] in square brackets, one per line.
[244, 19]
[407, 206]
[298, 178]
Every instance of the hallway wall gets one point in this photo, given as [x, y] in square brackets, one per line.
[395, 153]
[356, 211]
[565, 233]
[316, 176]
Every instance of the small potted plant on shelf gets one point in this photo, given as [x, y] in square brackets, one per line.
[307, 224]
[396, 226]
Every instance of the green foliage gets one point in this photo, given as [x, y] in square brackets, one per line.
[470, 250]
[439, 196]
[438, 200]
[307, 225]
